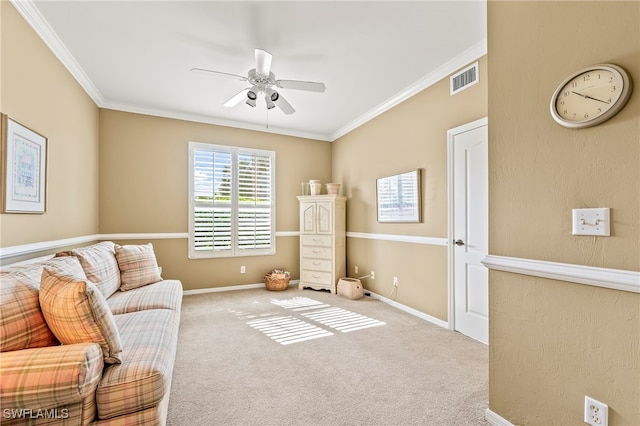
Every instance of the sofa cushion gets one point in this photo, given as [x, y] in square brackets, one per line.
[100, 266]
[22, 324]
[165, 294]
[138, 266]
[76, 312]
[144, 376]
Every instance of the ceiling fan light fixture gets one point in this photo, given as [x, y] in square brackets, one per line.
[251, 98]
[262, 81]
[270, 104]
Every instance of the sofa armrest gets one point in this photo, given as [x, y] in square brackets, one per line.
[49, 377]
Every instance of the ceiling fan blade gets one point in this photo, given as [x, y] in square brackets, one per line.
[236, 99]
[309, 86]
[263, 62]
[284, 105]
[220, 73]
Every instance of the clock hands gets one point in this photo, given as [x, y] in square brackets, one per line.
[589, 97]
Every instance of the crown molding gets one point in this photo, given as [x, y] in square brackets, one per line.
[34, 18]
[472, 54]
[162, 113]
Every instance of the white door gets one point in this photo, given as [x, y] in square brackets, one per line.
[468, 147]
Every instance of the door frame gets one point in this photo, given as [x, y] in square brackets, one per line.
[451, 134]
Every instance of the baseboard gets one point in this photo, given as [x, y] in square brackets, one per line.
[231, 288]
[495, 419]
[407, 309]
[393, 303]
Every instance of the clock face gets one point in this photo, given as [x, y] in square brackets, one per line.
[590, 96]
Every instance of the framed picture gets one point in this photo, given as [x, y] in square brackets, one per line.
[24, 168]
[398, 197]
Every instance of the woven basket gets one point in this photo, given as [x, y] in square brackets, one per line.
[276, 283]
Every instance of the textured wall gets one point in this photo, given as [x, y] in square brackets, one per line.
[144, 188]
[555, 342]
[409, 136]
[38, 91]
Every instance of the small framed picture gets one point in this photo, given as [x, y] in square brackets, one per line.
[399, 197]
[24, 168]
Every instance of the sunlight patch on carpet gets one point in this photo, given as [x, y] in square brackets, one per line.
[342, 320]
[298, 303]
[288, 330]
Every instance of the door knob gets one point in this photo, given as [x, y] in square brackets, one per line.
[459, 243]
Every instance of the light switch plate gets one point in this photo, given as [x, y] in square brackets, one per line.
[591, 222]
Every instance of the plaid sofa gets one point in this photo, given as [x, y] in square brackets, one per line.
[88, 336]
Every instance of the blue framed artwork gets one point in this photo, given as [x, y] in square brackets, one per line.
[24, 164]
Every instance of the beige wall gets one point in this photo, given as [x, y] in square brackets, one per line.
[544, 333]
[411, 135]
[551, 342]
[37, 91]
[144, 186]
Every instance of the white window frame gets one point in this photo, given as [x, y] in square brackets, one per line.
[235, 250]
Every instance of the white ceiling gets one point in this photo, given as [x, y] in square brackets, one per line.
[136, 55]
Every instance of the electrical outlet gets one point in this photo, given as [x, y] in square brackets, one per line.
[595, 412]
[243, 269]
[395, 281]
[356, 268]
[373, 275]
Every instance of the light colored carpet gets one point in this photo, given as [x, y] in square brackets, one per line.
[365, 363]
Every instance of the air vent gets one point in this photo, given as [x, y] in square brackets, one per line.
[464, 79]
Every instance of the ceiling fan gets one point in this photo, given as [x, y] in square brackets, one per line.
[263, 81]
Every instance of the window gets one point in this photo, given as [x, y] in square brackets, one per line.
[231, 201]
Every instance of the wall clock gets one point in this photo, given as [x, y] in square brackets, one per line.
[590, 96]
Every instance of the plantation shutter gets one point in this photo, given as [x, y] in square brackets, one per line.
[254, 202]
[212, 200]
[232, 205]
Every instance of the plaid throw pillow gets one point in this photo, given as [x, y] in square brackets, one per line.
[138, 266]
[77, 312]
[22, 325]
[99, 263]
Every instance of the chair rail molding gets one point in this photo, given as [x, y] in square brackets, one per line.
[615, 279]
[435, 241]
[26, 249]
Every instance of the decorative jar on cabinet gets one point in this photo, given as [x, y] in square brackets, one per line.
[322, 241]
